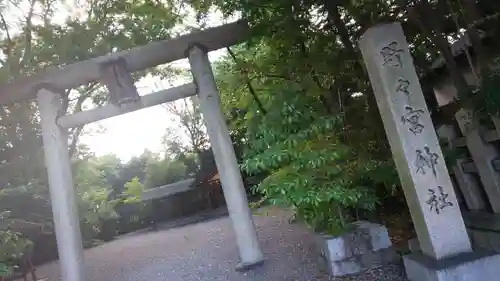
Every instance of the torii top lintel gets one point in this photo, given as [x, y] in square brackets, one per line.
[138, 58]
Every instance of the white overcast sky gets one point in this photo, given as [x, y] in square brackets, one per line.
[130, 134]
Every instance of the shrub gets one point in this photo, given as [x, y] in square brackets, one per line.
[12, 247]
[308, 168]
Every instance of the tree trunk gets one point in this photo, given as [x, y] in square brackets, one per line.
[335, 19]
[327, 99]
[472, 17]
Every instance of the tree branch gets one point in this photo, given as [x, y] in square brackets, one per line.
[65, 100]
[74, 141]
[28, 31]
[248, 82]
[433, 31]
[7, 32]
[77, 131]
[326, 98]
[472, 15]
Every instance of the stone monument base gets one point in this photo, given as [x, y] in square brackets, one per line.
[474, 266]
[364, 247]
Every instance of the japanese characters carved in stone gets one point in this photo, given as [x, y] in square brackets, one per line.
[426, 160]
[392, 55]
[438, 201]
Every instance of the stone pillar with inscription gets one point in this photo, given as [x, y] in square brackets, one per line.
[445, 245]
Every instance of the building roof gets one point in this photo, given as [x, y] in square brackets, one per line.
[212, 177]
[168, 190]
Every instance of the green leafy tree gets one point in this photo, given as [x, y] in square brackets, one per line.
[139, 212]
[191, 125]
[36, 35]
[309, 169]
[163, 172]
[12, 246]
[95, 205]
[133, 191]
[304, 55]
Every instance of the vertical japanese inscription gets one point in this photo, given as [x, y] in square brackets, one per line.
[402, 86]
[438, 201]
[412, 117]
[426, 160]
[391, 54]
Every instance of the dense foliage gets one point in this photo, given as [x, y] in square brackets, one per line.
[309, 168]
[12, 247]
[298, 148]
[300, 103]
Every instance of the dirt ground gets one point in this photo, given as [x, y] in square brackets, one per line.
[207, 251]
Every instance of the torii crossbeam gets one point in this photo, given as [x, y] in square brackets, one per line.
[114, 70]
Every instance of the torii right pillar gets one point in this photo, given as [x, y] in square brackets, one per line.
[446, 252]
[225, 158]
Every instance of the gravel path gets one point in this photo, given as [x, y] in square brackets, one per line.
[207, 251]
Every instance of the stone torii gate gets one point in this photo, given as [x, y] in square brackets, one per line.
[114, 70]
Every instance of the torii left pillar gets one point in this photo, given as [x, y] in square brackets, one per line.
[62, 193]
